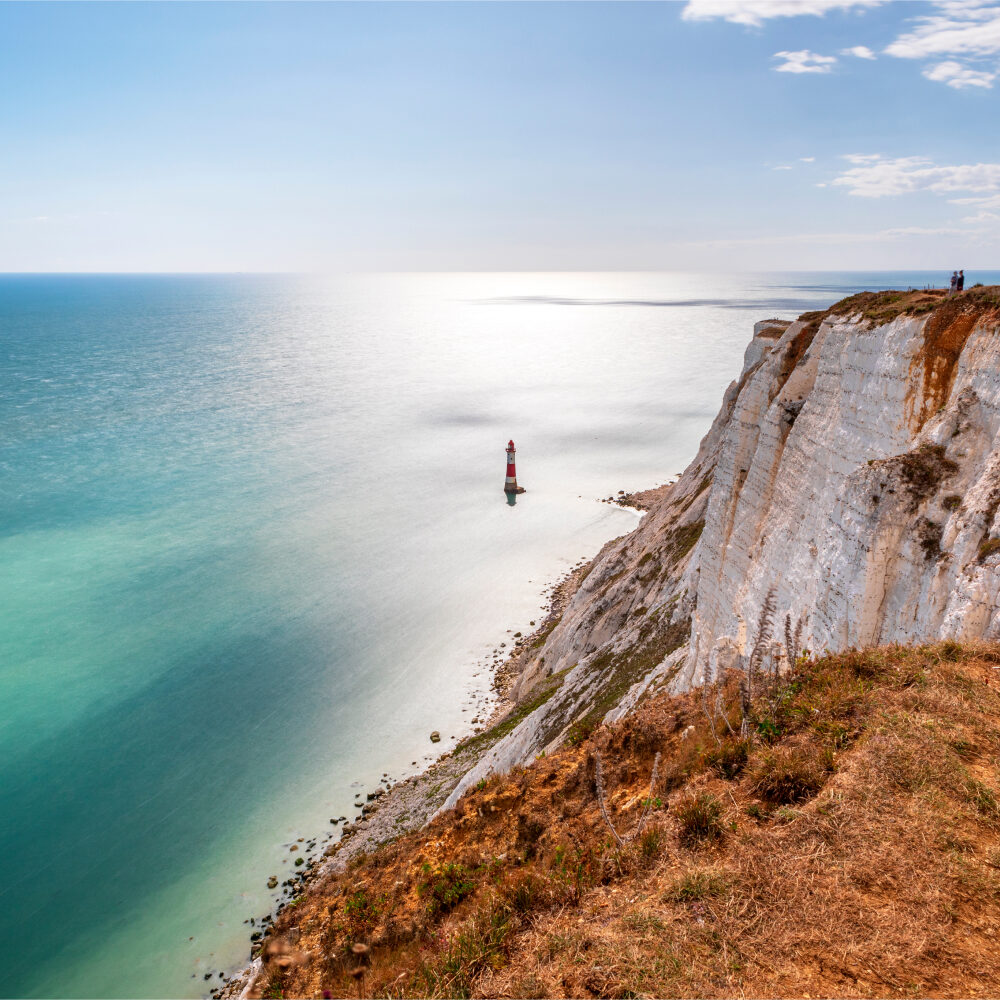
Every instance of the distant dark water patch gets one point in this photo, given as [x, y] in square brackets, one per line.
[554, 300]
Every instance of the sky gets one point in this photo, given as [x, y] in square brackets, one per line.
[703, 135]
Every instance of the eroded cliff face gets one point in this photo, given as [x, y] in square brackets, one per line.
[853, 470]
[859, 477]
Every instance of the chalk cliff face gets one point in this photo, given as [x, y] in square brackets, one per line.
[853, 470]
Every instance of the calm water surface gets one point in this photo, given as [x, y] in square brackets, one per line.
[254, 547]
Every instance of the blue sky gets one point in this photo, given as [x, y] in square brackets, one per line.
[749, 134]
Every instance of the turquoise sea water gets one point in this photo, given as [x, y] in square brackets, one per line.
[254, 547]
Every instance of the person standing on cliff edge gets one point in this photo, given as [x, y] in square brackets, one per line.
[960, 284]
[954, 283]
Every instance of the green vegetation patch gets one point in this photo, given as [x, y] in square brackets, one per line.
[445, 887]
[516, 715]
[623, 668]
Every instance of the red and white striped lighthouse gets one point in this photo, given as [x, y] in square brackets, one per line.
[510, 483]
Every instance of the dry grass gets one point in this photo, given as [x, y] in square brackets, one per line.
[856, 855]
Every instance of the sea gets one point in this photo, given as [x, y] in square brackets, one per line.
[254, 548]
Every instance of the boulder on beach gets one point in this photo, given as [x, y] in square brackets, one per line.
[435, 737]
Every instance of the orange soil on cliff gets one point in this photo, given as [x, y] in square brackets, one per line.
[850, 848]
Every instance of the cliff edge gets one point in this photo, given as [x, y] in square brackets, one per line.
[852, 473]
[849, 488]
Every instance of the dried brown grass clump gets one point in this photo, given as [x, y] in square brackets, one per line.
[699, 818]
[786, 775]
[856, 854]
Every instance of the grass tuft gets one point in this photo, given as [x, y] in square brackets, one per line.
[700, 818]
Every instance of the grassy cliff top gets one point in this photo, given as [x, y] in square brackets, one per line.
[878, 308]
[848, 846]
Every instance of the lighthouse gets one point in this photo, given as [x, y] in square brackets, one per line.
[510, 484]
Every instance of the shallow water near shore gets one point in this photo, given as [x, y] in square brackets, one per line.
[254, 548]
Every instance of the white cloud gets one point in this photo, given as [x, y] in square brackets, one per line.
[990, 201]
[782, 167]
[958, 76]
[966, 30]
[874, 177]
[982, 217]
[961, 28]
[755, 12]
[807, 159]
[862, 157]
[804, 61]
[960, 34]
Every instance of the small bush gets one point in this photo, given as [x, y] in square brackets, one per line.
[651, 843]
[965, 749]
[478, 946]
[523, 894]
[868, 664]
[729, 759]
[982, 798]
[836, 735]
[362, 912]
[446, 887]
[951, 502]
[575, 871]
[768, 730]
[700, 819]
[949, 650]
[695, 886]
[785, 776]
[988, 547]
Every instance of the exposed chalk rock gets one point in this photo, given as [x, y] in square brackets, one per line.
[853, 469]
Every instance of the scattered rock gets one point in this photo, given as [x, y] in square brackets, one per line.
[272, 882]
[435, 737]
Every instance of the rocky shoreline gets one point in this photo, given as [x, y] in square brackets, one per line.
[859, 500]
[396, 808]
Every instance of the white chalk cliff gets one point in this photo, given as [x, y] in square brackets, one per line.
[854, 468]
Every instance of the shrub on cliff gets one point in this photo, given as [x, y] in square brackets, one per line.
[786, 775]
[700, 819]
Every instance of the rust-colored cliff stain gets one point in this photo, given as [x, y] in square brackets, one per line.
[945, 336]
[794, 352]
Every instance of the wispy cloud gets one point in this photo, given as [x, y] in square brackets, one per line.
[859, 52]
[962, 36]
[807, 159]
[754, 13]
[966, 30]
[875, 177]
[960, 28]
[804, 61]
[958, 76]
[982, 217]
